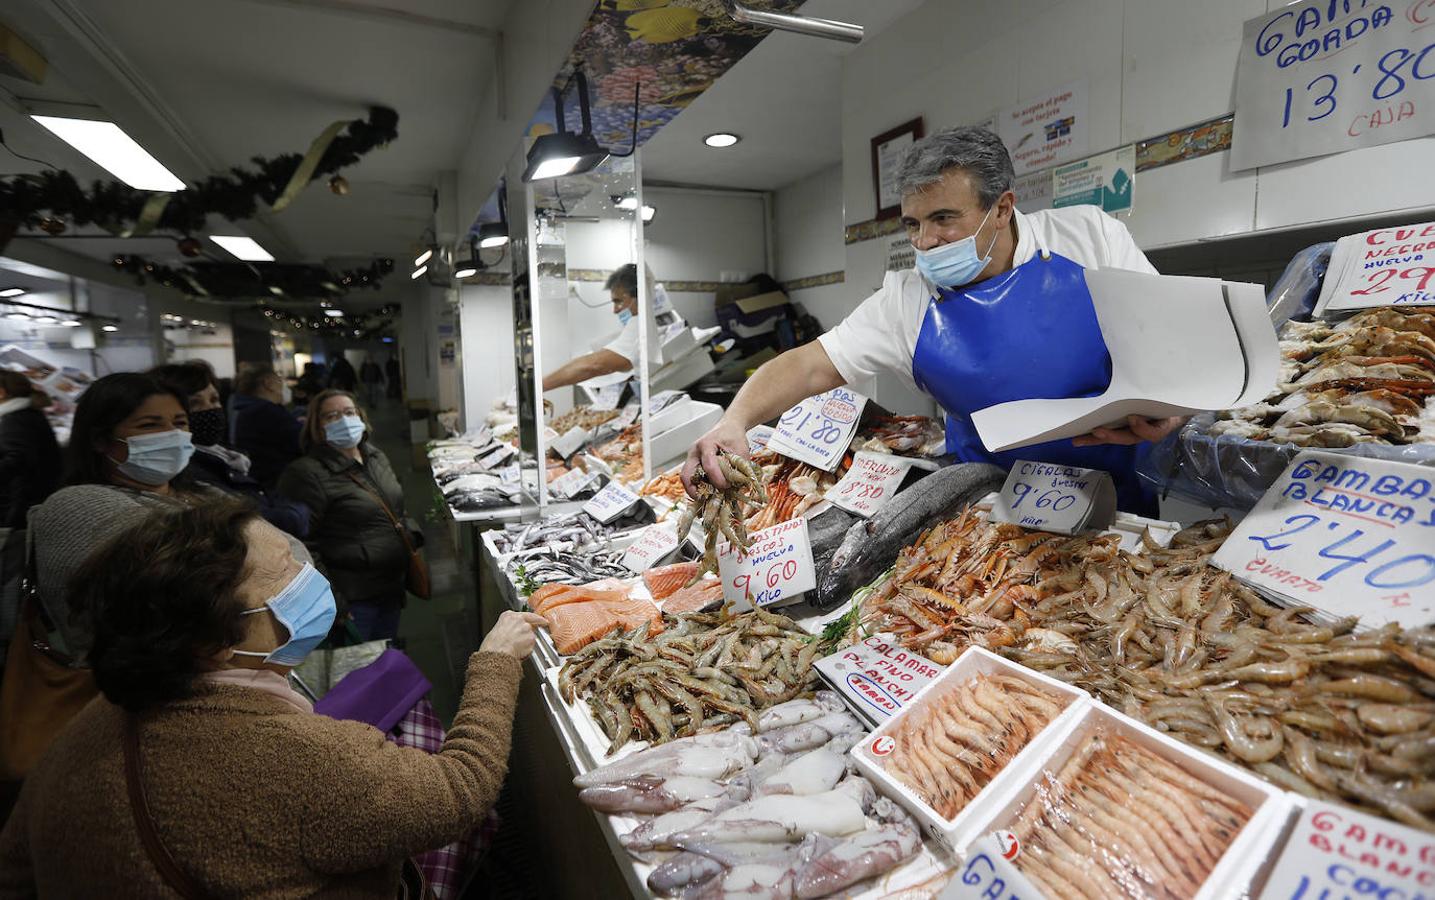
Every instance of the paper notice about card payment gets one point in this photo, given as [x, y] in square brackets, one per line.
[1178, 346]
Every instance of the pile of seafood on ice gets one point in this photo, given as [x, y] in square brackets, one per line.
[1173, 642]
[704, 671]
[585, 417]
[668, 486]
[577, 616]
[791, 487]
[953, 745]
[624, 452]
[903, 435]
[1121, 821]
[767, 808]
[1366, 379]
[572, 531]
[721, 509]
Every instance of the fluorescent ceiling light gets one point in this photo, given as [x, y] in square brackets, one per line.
[17, 315]
[71, 323]
[12, 292]
[334, 313]
[648, 213]
[242, 247]
[466, 271]
[492, 234]
[418, 273]
[114, 151]
[423, 257]
[110, 328]
[721, 139]
[489, 243]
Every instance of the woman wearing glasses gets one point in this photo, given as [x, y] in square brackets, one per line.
[357, 533]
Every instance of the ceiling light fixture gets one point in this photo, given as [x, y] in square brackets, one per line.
[423, 257]
[17, 315]
[418, 273]
[110, 328]
[334, 313]
[492, 234]
[12, 292]
[46, 320]
[721, 139]
[114, 151]
[648, 213]
[242, 247]
[71, 323]
[564, 153]
[467, 268]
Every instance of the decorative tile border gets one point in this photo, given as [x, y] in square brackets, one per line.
[1191, 142]
[589, 274]
[691, 287]
[812, 281]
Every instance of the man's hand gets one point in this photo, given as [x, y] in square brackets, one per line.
[725, 435]
[1137, 430]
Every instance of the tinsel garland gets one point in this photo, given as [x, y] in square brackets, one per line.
[112, 205]
[250, 280]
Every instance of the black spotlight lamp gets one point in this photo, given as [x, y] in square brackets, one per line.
[563, 153]
[492, 234]
[467, 268]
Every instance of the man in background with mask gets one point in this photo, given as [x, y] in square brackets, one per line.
[263, 429]
[621, 354]
[996, 310]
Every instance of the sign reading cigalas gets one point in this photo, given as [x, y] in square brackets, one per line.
[818, 430]
[1345, 536]
[1049, 497]
[1323, 76]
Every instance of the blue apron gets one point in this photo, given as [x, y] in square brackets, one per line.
[1026, 334]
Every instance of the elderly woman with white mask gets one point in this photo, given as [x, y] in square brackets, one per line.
[200, 772]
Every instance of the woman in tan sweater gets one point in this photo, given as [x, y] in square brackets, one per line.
[198, 615]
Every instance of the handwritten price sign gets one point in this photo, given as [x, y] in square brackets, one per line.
[1385, 267]
[757, 438]
[570, 484]
[1321, 77]
[610, 503]
[778, 566]
[1344, 535]
[569, 442]
[990, 873]
[1334, 848]
[653, 544]
[870, 483]
[818, 430]
[1063, 499]
[878, 675]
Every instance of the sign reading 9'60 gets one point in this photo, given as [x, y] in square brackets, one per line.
[1345, 536]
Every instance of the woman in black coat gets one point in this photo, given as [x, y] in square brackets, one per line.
[30, 463]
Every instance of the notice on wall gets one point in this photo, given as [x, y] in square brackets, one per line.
[777, 566]
[818, 430]
[1319, 77]
[1063, 499]
[901, 255]
[1338, 852]
[1047, 129]
[1033, 191]
[878, 676]
[1384, 267]
[1107, 180]
[870, 483]
[1345, 536]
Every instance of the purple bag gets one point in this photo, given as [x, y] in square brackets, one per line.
[380, 693]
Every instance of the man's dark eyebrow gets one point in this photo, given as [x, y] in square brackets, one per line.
[944, 212]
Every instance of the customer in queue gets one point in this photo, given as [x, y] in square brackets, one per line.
[242, 790]
[217, 464]
[30, 465]
[356, 508]
[263, 429]
[128, 450]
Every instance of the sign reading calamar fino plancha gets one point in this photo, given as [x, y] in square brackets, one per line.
[878, 676]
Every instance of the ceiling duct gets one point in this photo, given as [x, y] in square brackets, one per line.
[810, 25]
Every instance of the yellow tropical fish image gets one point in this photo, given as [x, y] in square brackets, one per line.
[665, 24]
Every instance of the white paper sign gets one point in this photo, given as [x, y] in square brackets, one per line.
[870, 483]
[1335, 851]
[989, 873]
[1047, 129]
[1344, 535]
[610, 503]
[757, 438]
[570, 441]
[778, 566]
[1385, 267]
[653, 544]
[818, 430]
[570, 483]
[607, 396]
[626, 417]
[497, 456]
[1063, 499]
[878, 676]
[1319, 77]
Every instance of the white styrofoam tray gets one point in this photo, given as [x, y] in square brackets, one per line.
[956, 832]
[1247, 852]
[1127, 526]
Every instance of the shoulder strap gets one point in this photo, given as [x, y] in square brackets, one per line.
[158, 854]
[398, 526]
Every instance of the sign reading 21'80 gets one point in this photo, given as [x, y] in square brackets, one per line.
[1322, 76]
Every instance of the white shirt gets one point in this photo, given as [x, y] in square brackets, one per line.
[626, 343]
[881, 334]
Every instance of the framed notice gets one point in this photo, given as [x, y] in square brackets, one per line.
[888, 150]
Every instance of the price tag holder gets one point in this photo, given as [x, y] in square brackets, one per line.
[1062, 499]
[654, 544]
[870, 483]
[990, 872]
[570, 442]
[610, 503]
[757, 438]
[778, 566]
[1334, 847]
[818, 430]
[1345, 536]
[878, 677]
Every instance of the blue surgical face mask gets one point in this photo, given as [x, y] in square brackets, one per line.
[955, 264]
[345, 433]
[624, 317]
[306, 608]
[156, 458]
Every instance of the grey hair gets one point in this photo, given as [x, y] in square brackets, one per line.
[977, 151]
[625, 277]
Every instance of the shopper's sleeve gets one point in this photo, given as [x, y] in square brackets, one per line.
[17, 452]
[1121, 249]
[393, 801]
[17, 872]
[872, 339]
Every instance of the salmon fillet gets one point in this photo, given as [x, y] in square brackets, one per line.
[692, 599]
[572, 595]
[574, 626]
[663, 581]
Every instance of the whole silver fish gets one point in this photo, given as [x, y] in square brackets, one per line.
[871, 546]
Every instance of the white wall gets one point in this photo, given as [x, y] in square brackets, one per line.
[699, 235]
[486, 324]
[809, 224]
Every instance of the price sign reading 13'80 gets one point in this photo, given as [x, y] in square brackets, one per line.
[1323, 76]
[1345, 536]
[818, 430]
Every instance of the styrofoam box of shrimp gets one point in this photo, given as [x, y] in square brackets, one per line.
[1234, 870]
[881, 748]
